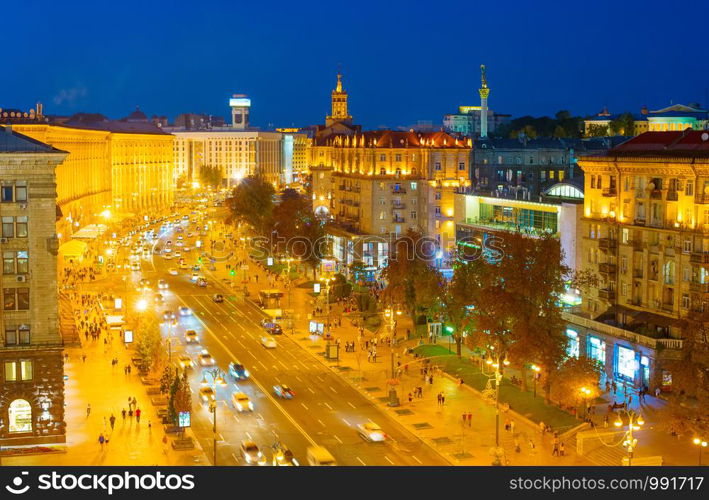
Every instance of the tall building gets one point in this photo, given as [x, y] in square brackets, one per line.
[675, 117]
[240, 108]
[373, 186]
[645, 233]
[31, 363]
[340, 113]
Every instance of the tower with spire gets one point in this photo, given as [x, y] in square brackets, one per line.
[484, 93]
[339, 105]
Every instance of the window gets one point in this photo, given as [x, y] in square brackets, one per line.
[382, 157]
[8, 299]
[689, 188]
[437, 166]
[15, 262]
[572, 348]
[624, 265]
[593, 182]
[685, 301]
[8, 227]
[413, 186]
[8, 263]
[624, 235]
[7, 193]
[19, 416]
[552, 174]
[10, 371]
[26, 370]
[398, 157]
[686, 273]
[413, 215]
[626, 363]
[438, 211]
[687, 246]
[437, 196]
[624, 289]
[461, 166]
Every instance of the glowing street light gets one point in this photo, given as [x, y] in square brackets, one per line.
[700, 443]
[537, 373]
[635, 422]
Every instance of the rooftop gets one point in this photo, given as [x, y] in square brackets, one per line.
[14, 142]
[675, 143]
[395, 139]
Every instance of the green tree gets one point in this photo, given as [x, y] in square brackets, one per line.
[560, 132]
[148, 344]
[597, 130]
[411, 281]
[210, 175]
[251, 202]
[623, 125]
[180, 399]
[572, 375]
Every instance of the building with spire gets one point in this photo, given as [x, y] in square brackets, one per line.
[373, 186]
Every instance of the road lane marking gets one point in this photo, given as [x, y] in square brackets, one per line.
[235, 459]
[350, 403]
[253, 379]
[415, 458]
[345, 421]
[248, 436]
[264, 366]
[388, 460]
[311, 390]
[321, 422]
[303, 404]
[360, 461]
[338, 439]
[333, 389]
[330, 407]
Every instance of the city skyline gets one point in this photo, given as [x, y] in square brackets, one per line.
[168, 74]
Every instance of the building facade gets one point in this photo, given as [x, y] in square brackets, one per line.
[676, 117]
[645, 233]
[468, 121]
[274, 155]
[31, 370]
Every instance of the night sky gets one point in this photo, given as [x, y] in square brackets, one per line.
[402, 61]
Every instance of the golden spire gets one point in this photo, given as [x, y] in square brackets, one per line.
[339, 82]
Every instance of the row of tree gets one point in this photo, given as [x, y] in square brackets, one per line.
[285, 222]
[564, 125]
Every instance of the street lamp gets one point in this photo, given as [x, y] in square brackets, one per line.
[537, 373]
[700, 444]
[217, 380]
[585, 393]
[497, 363]
[635, 422]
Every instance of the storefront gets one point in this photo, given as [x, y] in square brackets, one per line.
[596, 349]
[572, 348]
[626, 366]
[19, 415]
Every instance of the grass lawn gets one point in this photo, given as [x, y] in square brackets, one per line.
[523, 403]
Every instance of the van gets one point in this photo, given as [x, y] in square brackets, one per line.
[318, 456]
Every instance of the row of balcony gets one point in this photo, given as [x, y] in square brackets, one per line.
[354, 189]
[351, 203]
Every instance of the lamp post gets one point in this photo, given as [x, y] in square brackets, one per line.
[701, 443]
[537, 373]
[585, 392]
[635, 422]
[217, 379]
[496, 364]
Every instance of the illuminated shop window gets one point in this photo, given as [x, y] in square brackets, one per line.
[20, 416]
[626, 362]
[597, 349]
[573, 346]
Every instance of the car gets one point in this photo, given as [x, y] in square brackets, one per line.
[179, 237]
[168, 315]
[167, 255]
[268, 342]
[162, 284]
[184, 361]
[272, 328]
[283, 391]
[283, 457]
[135, 266]
[194, 277]
[179, 244]
[185, 311]
[159, 299]
[177, 255]
[251, 454]
[196, 268]
[202, 282]
[186, 249]
[143, 285]
[370, 431]
[238, 371]
[206, 359]
[242, 402]
[218, 298]
[207, 394]
[191, 337]
[173, 272]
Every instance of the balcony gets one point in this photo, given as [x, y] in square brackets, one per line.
[654, 248]
[671, 196]
[607, 268]
[640, 220]
[638, 274]
[607, 294]
[701, 198]
[609, 191]
[699, 257]
[607, 243]
[398, 190]
[699, 287]
[656, 194]
[656, 223]
[398, 206]
[398, 219]
[636, 244]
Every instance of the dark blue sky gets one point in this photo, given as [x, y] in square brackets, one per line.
[403, 60]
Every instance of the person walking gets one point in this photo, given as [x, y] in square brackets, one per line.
[123, 414]
[88, 410]
[470, 419]
[112, 420]
[438, 396]
[561, 449]
[137, 415]
[443, 399]
[512, 426]
[101, 440]
[555, 448]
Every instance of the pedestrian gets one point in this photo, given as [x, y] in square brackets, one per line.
[615, 387]
[101, 440]
[137, 415]
[470, 419]
[430, 379]
[438, 396]
[88, 410]
[112, 420]
[512, 426]
[657, 392]
[123, 413]
[130, 411]
[555, 448]
[517, 448]
[460, 382]
[83, 358]
[150, 425]
[507, 424]
[605, 422]
[410, 397]
[443, 399]
[561, 449]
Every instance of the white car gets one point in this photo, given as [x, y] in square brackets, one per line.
[206, 359]
[371, 432]
[242, 402]
[207, 394]
[162, 284]
[173, 272]
[185, 311]
[194, 277]
[268, 342]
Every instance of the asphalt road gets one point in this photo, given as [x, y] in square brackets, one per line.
[325, 410]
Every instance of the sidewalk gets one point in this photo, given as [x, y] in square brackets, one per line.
[107, 389]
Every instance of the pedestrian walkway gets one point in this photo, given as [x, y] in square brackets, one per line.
[95, 390]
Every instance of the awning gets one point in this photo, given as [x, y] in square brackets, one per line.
[73, 249]
[90, 232]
